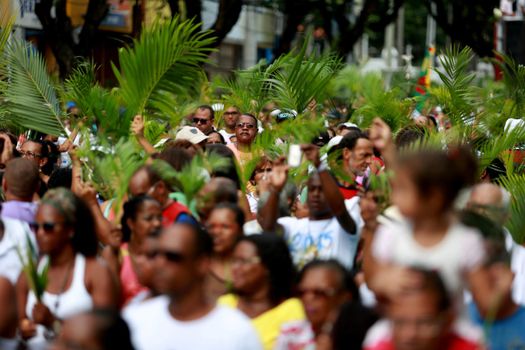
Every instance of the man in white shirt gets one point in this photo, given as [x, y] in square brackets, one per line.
[330, 231]
[14, 234]
[183, 318]
[230, 117]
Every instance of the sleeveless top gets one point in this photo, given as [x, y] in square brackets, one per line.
[129, 281]
[74, 300]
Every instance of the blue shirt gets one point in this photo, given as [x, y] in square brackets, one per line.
[505, 334]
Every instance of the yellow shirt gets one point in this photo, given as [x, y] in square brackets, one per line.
[268, 324]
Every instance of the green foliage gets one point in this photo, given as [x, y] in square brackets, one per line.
[31, 99]
[515, 184]
[167, 57]
[514, 83]
[194, 175]
[36, 278]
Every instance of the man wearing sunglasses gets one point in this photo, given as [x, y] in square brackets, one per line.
[183, 318]
[203, 119]
[245, 133]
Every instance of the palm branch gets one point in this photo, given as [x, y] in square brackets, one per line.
[36, 278]
[166, 57]
[515, 184]
[514, 85]
[31, 99]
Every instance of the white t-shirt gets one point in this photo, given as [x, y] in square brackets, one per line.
[16, 233]
[517, 265]
[153, 327]
[227, 136]
[460, 251]
[324, 239]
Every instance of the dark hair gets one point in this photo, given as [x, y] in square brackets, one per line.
[22, 178]
[235, 209]
[493, 235]
[229, 171]
[263, 161]
[251, 116]
[131, 208]
[447, 172]
[76, 215]
[177, 157]
[223, 142]
[53, 155]
[433, 283]
[345, 277]
[203, 241]
[208, 107]
[60, 177]
[112, 331]
[350, 139]
[352, 324]
[496, 170]
[410, 134]
[275, 257]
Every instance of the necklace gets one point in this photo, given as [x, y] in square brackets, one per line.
[63, 287]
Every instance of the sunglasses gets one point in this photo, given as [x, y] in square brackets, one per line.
[245, 125]
[317, 292]
[29, 154]
[171, 256]
[231, 113]
[46, 226]
[200, 121]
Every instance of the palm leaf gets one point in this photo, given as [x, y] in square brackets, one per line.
[36, 278]
[515, 184]
[514, 83]
[31, 98]
[167, 57]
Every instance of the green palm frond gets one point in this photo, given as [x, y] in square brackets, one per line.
[36, 278]
[514, 83]
[31, 98]
[457, 94]
[297, 78]
[194, 175]
[515, 184]
[79, 84]
[110, 170]
[166, 57]
[6, 26]
[387, 105]
[496, 145]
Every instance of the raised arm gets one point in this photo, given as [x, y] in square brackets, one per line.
[268, 212]
[137, 128]
[331, 192]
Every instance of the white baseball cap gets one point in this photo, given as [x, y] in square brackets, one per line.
[191, 134]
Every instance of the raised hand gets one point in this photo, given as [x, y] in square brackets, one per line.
[279, 174]
[311, 152]
[137, 126]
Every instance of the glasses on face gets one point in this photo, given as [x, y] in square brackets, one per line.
[171, 256]
[423, 325]
[231, 113]
[48, 227]
[29, 154]
[245, 125]
[246, 261]
[199, 121]
[317, 292]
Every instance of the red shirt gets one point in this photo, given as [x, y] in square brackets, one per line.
[454, 342]
[172, 212]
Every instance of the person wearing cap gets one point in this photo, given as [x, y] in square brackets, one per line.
[192, 134]
[345, 128]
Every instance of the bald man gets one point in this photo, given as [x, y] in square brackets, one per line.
[20, 183]
[493, 201]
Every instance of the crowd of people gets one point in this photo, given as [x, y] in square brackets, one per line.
[332, 262]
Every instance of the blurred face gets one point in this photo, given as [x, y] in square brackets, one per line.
[360, 158]
[140, 184]
[224, 230]
[143, 261]
[78, 332]
[317, 204]
[214, 138]
[205, 200]
[321, 295]
[147, 221]
[248, 272]
[264, 171]
[231, 115]
[178, 269]
[33, 151]
[405, 194]
[52, 233]
[417, 324]
[246, 130]
[202, 120]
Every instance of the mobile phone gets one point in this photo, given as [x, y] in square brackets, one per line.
[294, 156]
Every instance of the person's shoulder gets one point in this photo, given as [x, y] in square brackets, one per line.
[290, 221]
[457, 342]
[378, 336]
[291, 308]
[229, 300]
[225, 313]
